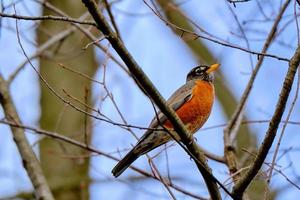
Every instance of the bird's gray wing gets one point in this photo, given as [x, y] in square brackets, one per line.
[179, 97]
[152, 139]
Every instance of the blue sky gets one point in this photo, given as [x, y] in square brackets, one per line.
[166, 60]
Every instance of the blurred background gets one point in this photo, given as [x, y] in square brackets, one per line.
[65, 56]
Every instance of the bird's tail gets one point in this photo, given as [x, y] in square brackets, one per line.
[125, 163]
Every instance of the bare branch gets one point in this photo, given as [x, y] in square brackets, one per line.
[48, 17]
[237, 1]
[243, 183]
[231, 130]
[62, 137]
[30, 161]
[143, 80]
[112, 19]
[217, 41]
[281, 136]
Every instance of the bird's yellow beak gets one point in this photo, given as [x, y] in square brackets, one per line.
[212, 68]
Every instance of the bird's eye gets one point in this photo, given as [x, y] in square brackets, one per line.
[198, 71]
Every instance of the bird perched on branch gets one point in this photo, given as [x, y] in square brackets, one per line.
[192, 103]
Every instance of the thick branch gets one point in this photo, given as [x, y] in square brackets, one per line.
[243, 183]
[30, 161]
[144, 81]
[233, 125]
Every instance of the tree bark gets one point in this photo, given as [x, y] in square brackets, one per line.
[68, 177]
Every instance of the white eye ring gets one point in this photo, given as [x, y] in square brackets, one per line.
[198, 71]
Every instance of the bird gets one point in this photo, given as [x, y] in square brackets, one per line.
[192, 102]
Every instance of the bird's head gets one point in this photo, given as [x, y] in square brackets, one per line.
[203, 72]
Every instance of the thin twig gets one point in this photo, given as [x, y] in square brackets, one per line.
[237, 1]
[277, 170]
[297, 23]
[58, 37]
[112, 19]
[86, 128]
[85, 32]
[197, 36]
[162, 179]
[242, 32]
[47, 17]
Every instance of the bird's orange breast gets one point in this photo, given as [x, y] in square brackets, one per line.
[196, 111]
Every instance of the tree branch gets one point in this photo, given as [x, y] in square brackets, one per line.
[144, 81]
[212, 38]
[63, 138]
[30, 161]
[243, 183]
[233, 125]
[47, 17]
[112, 19]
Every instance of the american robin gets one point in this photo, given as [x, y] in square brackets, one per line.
[192, 103]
